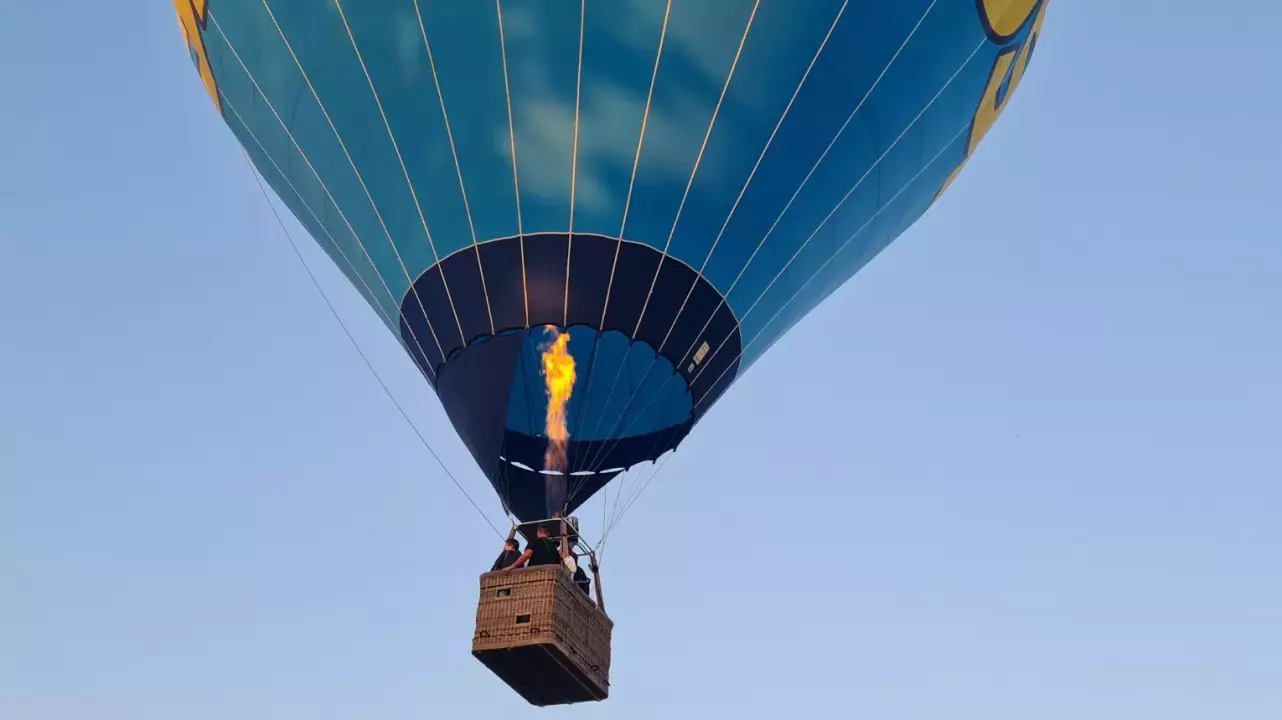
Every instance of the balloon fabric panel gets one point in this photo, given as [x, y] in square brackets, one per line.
[677, 184]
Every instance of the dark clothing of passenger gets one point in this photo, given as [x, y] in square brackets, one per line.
[506, 559]
[581, 579]
[543, 551]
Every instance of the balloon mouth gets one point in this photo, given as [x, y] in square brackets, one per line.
[531, 494]
[524, 453]
[653, 344]
[628, 405]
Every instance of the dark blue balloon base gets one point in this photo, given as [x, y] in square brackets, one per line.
[472, 370]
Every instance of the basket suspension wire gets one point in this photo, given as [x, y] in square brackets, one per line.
[633, 497]
[624, 497]
[342, 325]
[636, 488]
[607, 445]
[575, 484]
[620, 499]
[627, 481]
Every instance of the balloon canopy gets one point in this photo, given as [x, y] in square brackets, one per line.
[674, 184]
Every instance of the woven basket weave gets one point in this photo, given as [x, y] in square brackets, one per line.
[541, 635]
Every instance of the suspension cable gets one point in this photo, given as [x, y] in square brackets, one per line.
[316, 283]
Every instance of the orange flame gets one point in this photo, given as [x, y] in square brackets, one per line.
[558, 379]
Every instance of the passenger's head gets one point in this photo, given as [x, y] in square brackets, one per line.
[511, 544]
[542, 531]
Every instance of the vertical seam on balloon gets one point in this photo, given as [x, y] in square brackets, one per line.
[860, 182]
[574, 165]
[373, 205]
[876, 214]
[636, 161]
[511, 138]
[396, 148]
[569, 245]
[458, 169]
[841, 202]
[716, 111]
[627, 204]
[725, 298]
[294, 141]
[834, 255]
[742, 191]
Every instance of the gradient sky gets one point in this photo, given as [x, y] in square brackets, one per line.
[1034, 475]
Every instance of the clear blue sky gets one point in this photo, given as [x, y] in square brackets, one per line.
[1041, 482]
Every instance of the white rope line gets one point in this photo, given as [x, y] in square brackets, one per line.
[458, 169]
[746, 345]
[762, 332]
[396, 148]
[778, 219]
[743, 190]
[635, 496]
[325, 188]
[703, 146]
[627, 204]
[574, 165]
[636, 161]
[511, 138]
[840, 131]
[843, 200]
[614, 510]
[600, 455]
[620, 429]
[619, 513]
[639, 487]
[689, 183]
[796, 91]
[297, 253]
[662, 437]
[359, 179]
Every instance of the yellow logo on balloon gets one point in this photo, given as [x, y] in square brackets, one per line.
[191, 19]
[1002, 20]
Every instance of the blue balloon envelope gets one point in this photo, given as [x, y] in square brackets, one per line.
[675, 184]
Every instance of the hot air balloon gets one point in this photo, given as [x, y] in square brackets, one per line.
[585, 220]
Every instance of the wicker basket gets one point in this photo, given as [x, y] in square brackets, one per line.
[541, 635]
